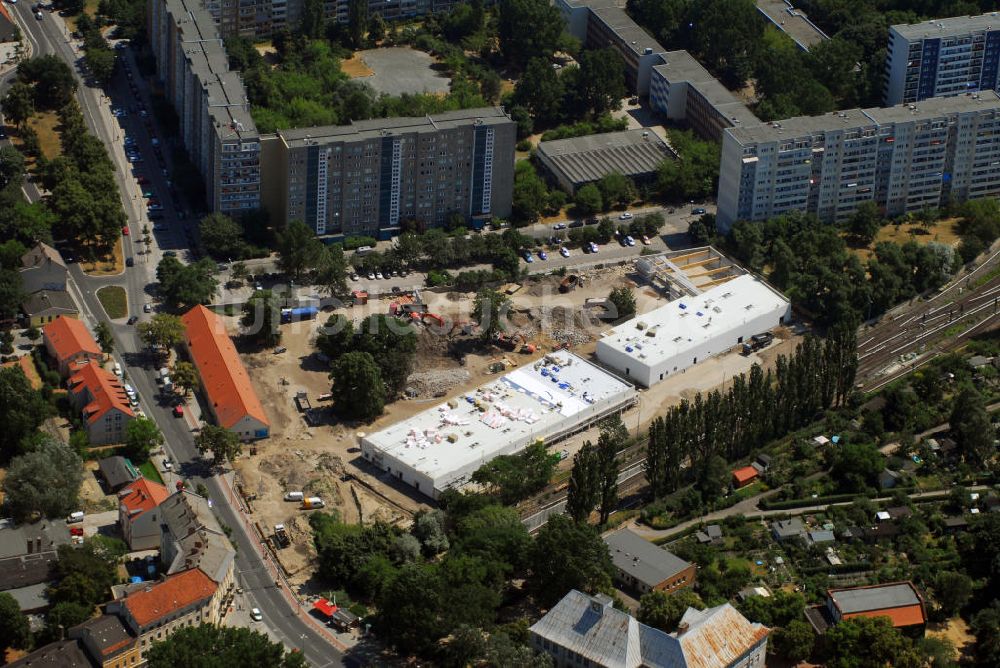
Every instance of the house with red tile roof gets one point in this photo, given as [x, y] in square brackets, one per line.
[744, 476]
[230, 396]
[155, 611]
[68, 340]
[139, 513]
[901, 602]
[101, 399]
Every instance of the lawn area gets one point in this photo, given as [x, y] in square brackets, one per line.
[45, 124]
[114, 301]
[943, 231]
[148, 471]
[107, 265]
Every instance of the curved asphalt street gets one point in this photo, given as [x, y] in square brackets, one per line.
[48, 36]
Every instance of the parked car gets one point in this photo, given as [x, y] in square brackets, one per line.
[625, 216]
[629, 241]
[528, 258]
[256, 615]
[559, 226]
[178, 411]
[576, 223]
[542, 255]
[125, 231]
[148, 308]
[129, 261]
[564, 251]
[76, 531]
[134, 319]
[698, 211]
[594, 247]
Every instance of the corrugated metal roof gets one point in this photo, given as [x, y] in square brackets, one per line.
[717, 637]
[593, 629]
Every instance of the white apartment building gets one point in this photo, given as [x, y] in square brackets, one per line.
[942, 57]
[904, 158]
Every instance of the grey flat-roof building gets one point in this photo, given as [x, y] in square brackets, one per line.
[643, 566]
[942, 57]
[904, 158]
[211, 103]
[575, 162]
[682, 90]
[783, 15]
[370, 176]
[786, 529]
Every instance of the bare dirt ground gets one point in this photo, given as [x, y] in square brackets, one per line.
[92, 497]
[355, 67]
[324, 459]
[957, 631]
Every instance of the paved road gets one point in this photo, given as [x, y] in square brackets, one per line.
[743, 508]
[48, 36]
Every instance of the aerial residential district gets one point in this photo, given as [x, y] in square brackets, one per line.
[499, 333]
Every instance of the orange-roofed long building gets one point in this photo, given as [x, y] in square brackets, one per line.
[139, 513]
[901, 602]
[231, 398]
[68, 340]
[102, 402]
[184, 599]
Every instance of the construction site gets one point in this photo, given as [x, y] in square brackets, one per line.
[313, 453]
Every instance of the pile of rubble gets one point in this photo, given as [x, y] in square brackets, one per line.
[574, 337]
[435, 383]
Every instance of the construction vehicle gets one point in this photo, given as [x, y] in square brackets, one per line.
[758, 342]
[514, 342]
[281, 536]
[302, 401]
[569, 283]
[312, 502]
[301, 313]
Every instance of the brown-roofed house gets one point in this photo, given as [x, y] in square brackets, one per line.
[47, 306]
[231, 398]
[68, 341]
[58, 654]
[42, 268]
[901, 602]
[101, 399]
[138, 513]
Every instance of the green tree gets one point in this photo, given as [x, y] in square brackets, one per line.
[46, 480]
[332, 270]
[182, 286]
[357, 22]
[490, 310]
[584, 483]
[600, 83]
[392, 343]
[528, 29]
[953, 590]
[222, 237]
[61, 617]
[865, 223]
[262, 317]
[185, 374]
[105, 337]
[299, 250]
[540, 90]
[986, 626]
[530, 194]
[512, 478]
[588, 200]
[336, 337]
[795, 641]
[664, 611]
[211, 646]
[856, 466]
[239, 272]
[101, 63]
[612, 440]
[867, 642]
[22, 410]
[972, 427]
[727, 34]
[616, 189]
[624, 302]
[14, 630]
[84, 573]
[142, 436]
[164, 330]
[19, 103]
[568, 555]
[11, 169]
[695, 172]
[54, 83]
[358, 389]
[224, 445]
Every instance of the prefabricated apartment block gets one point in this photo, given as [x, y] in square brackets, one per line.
[942, 57]
[368, 177]
[668, 340]
[904, 158]
[545, 401]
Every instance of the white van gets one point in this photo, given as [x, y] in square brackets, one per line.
[293, 496]
[75, 517]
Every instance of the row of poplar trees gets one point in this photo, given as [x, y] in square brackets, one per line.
[757, 408]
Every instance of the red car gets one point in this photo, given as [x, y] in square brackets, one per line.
[142, 180]
[125, 231]
[76, 531]
[178, 411]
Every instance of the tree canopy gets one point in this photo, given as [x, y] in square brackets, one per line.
[211, 646]
[45, 480]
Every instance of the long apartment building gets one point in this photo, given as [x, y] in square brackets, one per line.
[211, 103]
[370, 176]
[904, 158]
[262, 18]
[942, 57]
[679, 88]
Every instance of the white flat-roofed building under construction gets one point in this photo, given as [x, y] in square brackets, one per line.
[545, 401]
